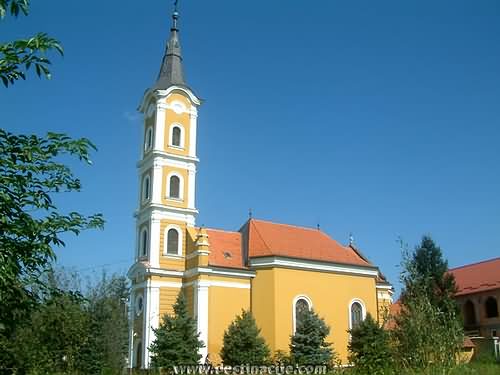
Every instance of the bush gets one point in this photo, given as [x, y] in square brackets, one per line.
[308, 344]
[369, 349]
[243, 343]
[177, 338]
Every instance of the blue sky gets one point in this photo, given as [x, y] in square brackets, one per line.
[377, 118]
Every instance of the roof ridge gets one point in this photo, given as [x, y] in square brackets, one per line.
[474, 264]
[223, 230]
[290, 225]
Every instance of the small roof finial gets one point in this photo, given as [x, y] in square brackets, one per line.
[318, 226]
[351, 239]
[249, 213]
[175, 15]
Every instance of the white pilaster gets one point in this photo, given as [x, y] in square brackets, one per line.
[159, 143]
[156, 183]
[191, 187]
[154, 244]
[151, 319]
[192, 131]
[202, 314]
[131, 314]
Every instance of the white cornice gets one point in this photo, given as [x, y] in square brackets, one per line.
[162, 157]
[219, 271]
[159, 94]
[282, 262]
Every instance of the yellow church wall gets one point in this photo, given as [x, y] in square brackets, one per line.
[168, 296]
[183, 119]
[170, 201]
[263, 305]
[329, 293]
[224, 304]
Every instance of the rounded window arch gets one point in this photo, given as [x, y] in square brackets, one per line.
[357, 313]
[469, 313]
[148, 140]
[491, 307]
[177, 135]
[139, 304]
[138, 355]
[144, 243]
[301, 304]
[175, 186]
[146, 188]
[173, 240]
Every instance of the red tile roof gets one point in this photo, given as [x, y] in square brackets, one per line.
[477, 277]
[225, 249]
[272, 239]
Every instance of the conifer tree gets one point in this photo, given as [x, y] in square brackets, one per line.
[308, 344]
[369, 349]
[243, 343]
[177, 339]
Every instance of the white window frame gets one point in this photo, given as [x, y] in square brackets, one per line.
[141, 242]
[179, 244]
[171, 136]
[181, 186]
[294, 317]
[363, 310]
[144, 190]
[148, 136]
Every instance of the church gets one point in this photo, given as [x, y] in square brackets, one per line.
[272, 269]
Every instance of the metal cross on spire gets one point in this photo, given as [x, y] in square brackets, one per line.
[175, 14]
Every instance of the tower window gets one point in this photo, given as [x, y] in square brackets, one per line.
[301, 306]
[146, 188]
[176, 135]
[175, 187]
[148, 142]
[491, 307]
[173, 242]
[144, 243]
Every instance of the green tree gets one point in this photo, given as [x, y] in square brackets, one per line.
[242, 343]
[308, 344]
[428, 331]
[427, 270]
[18, 56]
[177, 339]
[369, 348]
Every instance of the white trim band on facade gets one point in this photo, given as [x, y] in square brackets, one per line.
[214, 271]
[273, 261]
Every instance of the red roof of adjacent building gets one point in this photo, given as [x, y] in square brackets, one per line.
[265, 238]
[477, 277]
[272, 239]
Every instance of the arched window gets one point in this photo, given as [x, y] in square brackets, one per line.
[144, 243]
[146, 188]
[138, 355]
[175, 187]
[173, 241]
[356, 314]
[176, 136]
[491, 307]
[148, 142]
[469, 313]
[300, 307]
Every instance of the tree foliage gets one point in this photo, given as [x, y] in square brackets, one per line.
[428, 331]
[369, 348]
[19, 56]
[242, 342]
[30, 223]
[308, 344]
[68, 333]
[177, 339]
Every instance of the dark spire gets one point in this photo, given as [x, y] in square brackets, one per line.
[171, 72]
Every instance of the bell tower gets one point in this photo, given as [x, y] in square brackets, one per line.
[166, 209]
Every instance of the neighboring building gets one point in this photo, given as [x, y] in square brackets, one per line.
[478, 297]
[275, 270]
